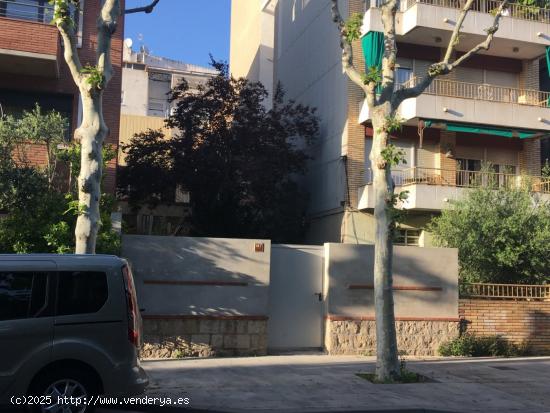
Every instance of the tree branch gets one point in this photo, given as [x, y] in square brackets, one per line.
[487, 42]
[389, 9]
[144, 9]
[444, 67]
[106, 26]
[70, 53]
[347, 54]
[455, 37]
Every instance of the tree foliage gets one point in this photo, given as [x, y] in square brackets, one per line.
[38, 217]
[239, 160]
[502, 236]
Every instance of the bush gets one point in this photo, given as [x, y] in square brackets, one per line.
[470, 345]
[502, 236]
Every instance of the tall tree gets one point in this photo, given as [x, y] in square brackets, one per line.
[383, 100]
[239, 160]
[91, 82]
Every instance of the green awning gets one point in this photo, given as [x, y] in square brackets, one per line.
[373, 49]
[372, 44]
[483, 129]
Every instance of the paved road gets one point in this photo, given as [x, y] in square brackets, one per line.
[318, 383]
[325, 383]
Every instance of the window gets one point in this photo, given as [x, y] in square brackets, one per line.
[22, 294]
[403, 75]
[467, 172]
[34, 10]
[14, 103]
[81, 292]
[182, 196]
[409, 237]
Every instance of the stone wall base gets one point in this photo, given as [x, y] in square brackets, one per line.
[414, 338]
[203, 337]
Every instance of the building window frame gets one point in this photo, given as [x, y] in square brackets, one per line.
[409, 237]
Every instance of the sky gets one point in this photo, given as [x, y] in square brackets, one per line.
[186, 30]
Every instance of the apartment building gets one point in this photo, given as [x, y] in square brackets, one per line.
[32, 68]
[492, 110]
[146, 83]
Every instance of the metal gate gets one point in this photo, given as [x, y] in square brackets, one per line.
[295, 298]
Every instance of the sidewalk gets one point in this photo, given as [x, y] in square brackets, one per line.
[328, 383]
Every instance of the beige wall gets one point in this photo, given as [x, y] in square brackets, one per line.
[245, 38]
[131, 124]
[420, 268]
[252, 41]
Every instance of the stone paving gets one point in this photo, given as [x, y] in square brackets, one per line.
[305, 383]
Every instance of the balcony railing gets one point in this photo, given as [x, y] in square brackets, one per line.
[466, 179]
[514, 10]
[482, 91]
[507, 291]
[34, 10]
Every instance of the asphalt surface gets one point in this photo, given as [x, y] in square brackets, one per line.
[319, 384]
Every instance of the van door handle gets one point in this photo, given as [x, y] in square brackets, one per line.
[319, 296]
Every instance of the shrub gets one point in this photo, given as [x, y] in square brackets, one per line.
[502, 236]
[470, 345]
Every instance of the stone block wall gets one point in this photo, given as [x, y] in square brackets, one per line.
[196, 336]
[521, 322]
[414, 337]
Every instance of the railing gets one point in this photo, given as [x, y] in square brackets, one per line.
[514, 10]
[482, 91]
[465, 179]
[34, 10]
[514, 291]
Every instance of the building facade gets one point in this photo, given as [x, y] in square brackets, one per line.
[33, 70]
[482, 123]
[146, 83]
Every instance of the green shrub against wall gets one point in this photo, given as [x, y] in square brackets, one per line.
[470, 345]
[502, 235]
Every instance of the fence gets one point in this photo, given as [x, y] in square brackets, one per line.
[514, 10]
[466, 179]
[38, 11]
[505, 291]
[482, 91]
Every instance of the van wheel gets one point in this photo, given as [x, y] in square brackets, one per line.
[59, 387]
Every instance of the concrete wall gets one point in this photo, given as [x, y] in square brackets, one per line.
[135, 92]
[308, 65]
[428, 276]
[425, 296]
[202, 296]
[212, 297]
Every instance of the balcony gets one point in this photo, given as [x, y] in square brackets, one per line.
[484, 104]
[29, 44]
[39, 11]
[526, 28]
[431, 189]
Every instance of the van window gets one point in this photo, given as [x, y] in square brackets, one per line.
[22, 294]
[81, 292]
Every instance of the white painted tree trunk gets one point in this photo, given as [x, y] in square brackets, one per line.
[91, 134]
[387, 362]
